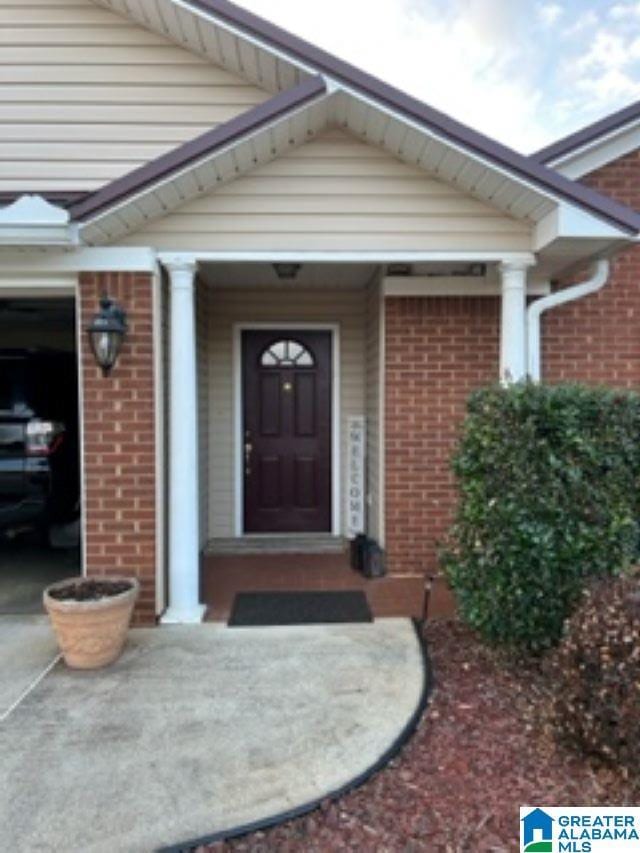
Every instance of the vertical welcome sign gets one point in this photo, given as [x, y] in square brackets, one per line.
[356, 430]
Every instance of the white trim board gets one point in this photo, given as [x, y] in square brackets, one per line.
[347, 257]
[33, 221]
[450, 286]
[336, 449]
[42, 286]
[105, 259]
[382, 412]
[81, 430]
[598, 152]
[159, 433]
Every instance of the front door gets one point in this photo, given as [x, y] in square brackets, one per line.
[287, 431]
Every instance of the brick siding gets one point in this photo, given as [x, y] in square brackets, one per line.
[119, 441]
[597, 339]
[438, 351]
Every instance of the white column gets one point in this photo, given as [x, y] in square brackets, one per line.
[513, 347]
[184, 603]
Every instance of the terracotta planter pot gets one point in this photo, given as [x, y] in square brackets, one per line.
[91, 634]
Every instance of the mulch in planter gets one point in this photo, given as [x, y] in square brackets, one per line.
[89, 590]
[480, 752]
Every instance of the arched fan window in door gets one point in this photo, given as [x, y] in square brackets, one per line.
[286, 353]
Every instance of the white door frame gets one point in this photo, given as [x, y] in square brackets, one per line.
[334, 329]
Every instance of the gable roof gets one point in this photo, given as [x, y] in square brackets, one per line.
[589, 134]
[194, 150]
[528, 188]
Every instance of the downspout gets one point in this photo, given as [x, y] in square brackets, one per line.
[595, 282]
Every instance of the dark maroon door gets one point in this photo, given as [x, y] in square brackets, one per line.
[287, 431]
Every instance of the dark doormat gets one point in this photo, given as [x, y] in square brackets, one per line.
[298, 608]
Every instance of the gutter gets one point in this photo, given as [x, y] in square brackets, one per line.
[595, 282]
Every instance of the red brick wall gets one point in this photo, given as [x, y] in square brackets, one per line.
[597, 339]
[119, 441]
[437, 351]
[620, 180]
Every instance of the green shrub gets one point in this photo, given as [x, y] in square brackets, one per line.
[549, 479]
[595, 674]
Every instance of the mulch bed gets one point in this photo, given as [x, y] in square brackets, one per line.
[480, 752]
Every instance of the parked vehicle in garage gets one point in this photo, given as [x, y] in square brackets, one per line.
[39, 459]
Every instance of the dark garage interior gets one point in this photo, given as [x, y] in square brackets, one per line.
[39, 450]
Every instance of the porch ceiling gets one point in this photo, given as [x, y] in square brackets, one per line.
[310, 276]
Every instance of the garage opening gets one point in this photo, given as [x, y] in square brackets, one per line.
[39, 450]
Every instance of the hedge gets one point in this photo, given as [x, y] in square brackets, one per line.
[550, 496]
[594, 674]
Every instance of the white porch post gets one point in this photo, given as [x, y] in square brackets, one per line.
[513, 347]
[184, 604]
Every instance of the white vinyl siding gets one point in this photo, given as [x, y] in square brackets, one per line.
[346, 308]
[335, 193]
[86, 96]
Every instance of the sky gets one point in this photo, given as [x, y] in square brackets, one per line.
[523, 72]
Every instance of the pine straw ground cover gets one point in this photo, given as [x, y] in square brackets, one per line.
[479, 753]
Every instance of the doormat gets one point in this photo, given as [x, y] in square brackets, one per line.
[252, 609]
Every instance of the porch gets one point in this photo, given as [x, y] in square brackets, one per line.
[284, 352]
[226, 574]
[250, 321]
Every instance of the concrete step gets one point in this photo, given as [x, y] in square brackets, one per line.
[298, 544]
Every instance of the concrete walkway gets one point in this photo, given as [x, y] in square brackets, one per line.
[27, 648]
[200, 729]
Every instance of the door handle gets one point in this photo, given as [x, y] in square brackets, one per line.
[248, 447]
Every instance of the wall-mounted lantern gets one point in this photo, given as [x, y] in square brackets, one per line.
[106, 334]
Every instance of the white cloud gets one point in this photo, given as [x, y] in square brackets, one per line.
[522, 71]
[623, 11]
[606, 74]
[586, 21]
[549, 13]
[609, 51]
[455, 56]
[612, 87]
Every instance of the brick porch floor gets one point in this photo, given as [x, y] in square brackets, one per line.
[225, 575]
